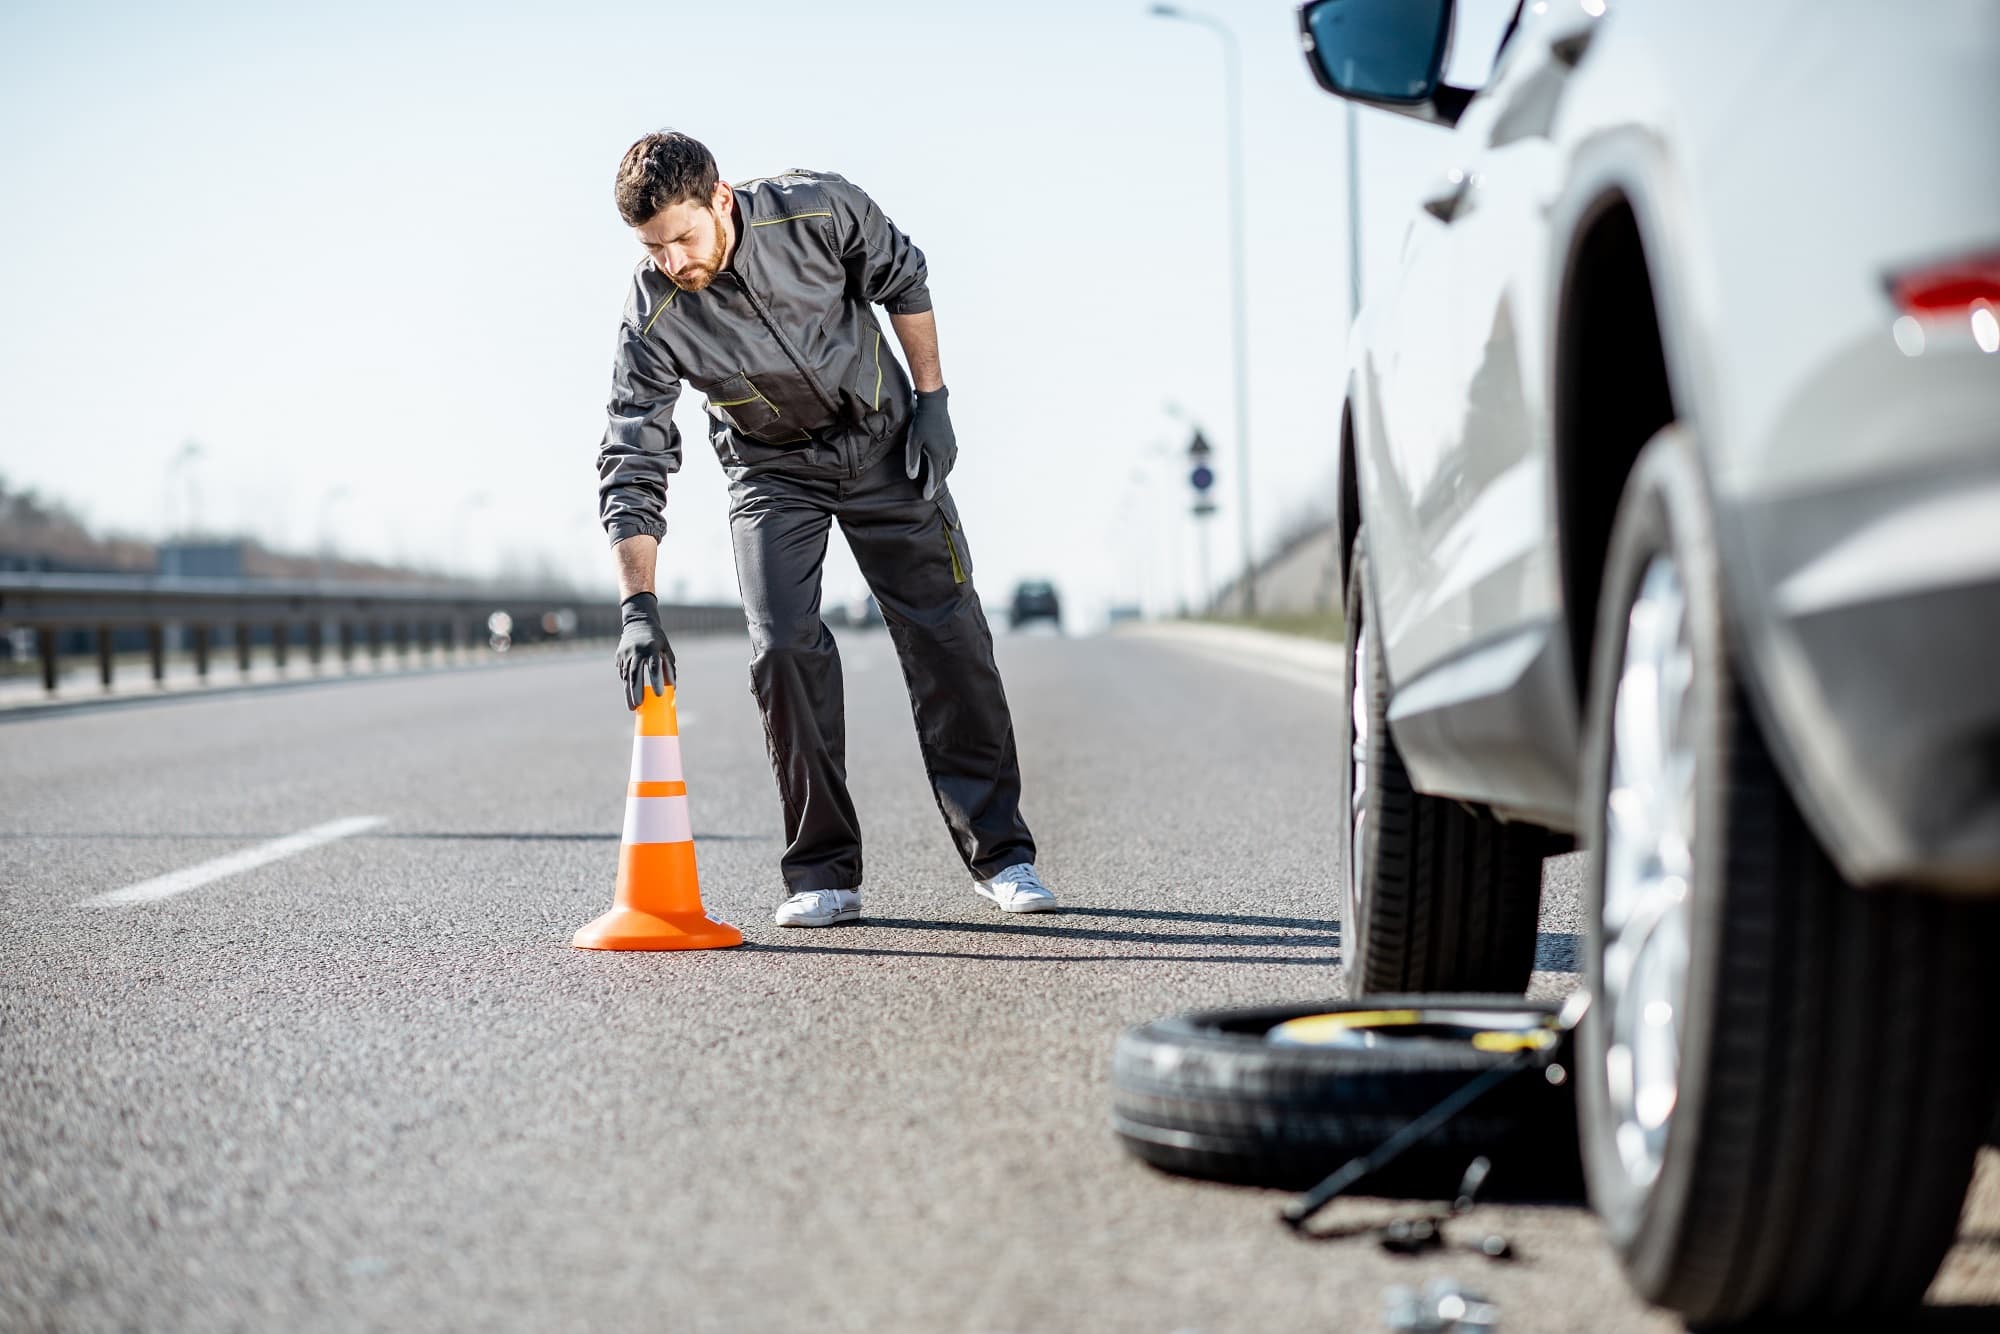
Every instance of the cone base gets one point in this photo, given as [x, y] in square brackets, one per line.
[630, 929]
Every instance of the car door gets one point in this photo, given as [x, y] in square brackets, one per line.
[1488, 520]
[1479, 501]
[1413, 423]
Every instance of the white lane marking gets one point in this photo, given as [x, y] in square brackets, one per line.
[193, 877]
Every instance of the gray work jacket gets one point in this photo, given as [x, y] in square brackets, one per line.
[783, 342]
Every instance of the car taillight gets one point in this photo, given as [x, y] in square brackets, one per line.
[1961, 289]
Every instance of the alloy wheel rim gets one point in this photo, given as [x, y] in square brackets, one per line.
[1357, 804]
[1649, 869]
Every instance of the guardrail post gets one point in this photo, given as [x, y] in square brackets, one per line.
[402, 636]
[460, 649]
[156, 649]
[315, 642]
[375, 643]
[48, 638]
[243, 648]
[201, 653]
[104, 656]
[280, 632]
[424, 632]
[346, 646]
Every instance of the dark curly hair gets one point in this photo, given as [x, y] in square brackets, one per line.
[662, 170]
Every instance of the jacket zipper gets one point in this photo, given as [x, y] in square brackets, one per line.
[798, 360]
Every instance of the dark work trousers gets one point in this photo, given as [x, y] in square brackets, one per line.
[913, 554]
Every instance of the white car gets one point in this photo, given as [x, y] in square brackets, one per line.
[1670, 468]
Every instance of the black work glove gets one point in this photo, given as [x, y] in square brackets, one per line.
[931, 437]
[644, 655]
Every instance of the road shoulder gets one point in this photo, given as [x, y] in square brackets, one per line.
[1310, 662]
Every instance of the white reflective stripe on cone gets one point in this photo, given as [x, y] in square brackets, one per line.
[657, 820]
[656, 759]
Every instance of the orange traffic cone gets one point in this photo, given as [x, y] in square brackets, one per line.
[658, 904]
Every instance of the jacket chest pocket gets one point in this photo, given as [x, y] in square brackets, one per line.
[738, 401]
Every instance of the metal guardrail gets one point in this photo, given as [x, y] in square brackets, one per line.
[278, 612]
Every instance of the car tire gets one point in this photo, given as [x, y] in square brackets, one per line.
[1438, 897]
[1207, 1094]
[1792, 1134]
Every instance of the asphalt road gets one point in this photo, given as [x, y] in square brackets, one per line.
[369, 1086]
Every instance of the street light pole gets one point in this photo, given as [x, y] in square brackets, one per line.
[476, 501]
[189, 451]
[1233, 99]
[1171, 515]
[1353, 212]
[326, 504]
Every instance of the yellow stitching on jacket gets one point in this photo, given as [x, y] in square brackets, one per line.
[756, 395]
[656, 314]
[739, 402]
[792, 217]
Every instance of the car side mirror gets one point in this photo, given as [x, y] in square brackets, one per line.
[1384, 53]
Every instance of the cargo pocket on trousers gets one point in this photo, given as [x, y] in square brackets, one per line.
[738, 401]
[954, 538]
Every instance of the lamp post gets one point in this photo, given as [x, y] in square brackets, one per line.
[326, 504]
[171, 550]
[1171, 517]
[476, 501]
[1353, 213]
[1233, 98]
[190, 450]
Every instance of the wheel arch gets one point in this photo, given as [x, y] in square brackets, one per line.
[1617, 375]
[1347, 517]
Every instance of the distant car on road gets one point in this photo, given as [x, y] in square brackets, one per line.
[1670, 477]
[1035, 600]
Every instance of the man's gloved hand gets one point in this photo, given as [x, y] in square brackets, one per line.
[931, 437]
[644, 655]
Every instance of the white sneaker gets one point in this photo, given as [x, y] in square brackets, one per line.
[819, 907]
[1017, 889]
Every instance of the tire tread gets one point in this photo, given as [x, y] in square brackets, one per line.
[1454, 894]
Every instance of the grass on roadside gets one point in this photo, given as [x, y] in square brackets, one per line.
[1309, 624]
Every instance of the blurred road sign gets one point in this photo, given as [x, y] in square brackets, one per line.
[1199, 448]
[1203, 477]
[1203, 507]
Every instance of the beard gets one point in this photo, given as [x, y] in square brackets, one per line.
[701, 275]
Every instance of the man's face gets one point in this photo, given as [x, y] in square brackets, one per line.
[689, 241]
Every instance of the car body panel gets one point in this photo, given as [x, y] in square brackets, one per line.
[1781, 162]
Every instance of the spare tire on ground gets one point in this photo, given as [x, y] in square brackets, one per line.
[1286, 1095]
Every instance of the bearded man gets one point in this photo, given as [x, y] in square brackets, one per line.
[759, 295]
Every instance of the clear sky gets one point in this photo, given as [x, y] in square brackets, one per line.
[366, 255]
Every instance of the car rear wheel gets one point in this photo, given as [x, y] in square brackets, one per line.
[1434, 896]
[1783, 1080]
